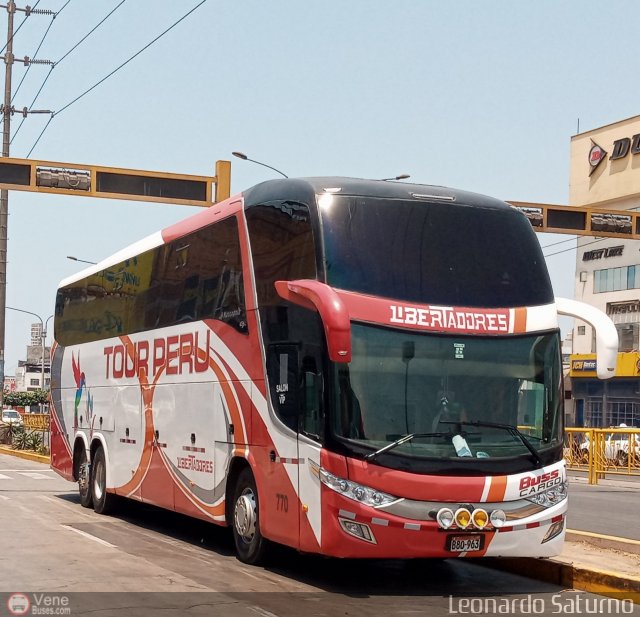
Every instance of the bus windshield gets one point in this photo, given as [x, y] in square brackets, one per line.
[449, 254]
[442, 387]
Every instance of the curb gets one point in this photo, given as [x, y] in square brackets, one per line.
[30, 456]
[562, 574]
[603, 541]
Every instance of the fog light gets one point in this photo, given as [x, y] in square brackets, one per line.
[479, 518]
[554, 531]
[462, 518]
[445, 518]
[358, 530]
[498, 518]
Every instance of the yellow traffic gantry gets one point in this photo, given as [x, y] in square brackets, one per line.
[115, 183]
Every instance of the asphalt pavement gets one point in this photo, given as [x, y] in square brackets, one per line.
[610, 507]
[51, 542]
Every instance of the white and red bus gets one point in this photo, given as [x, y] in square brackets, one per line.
[347, 367]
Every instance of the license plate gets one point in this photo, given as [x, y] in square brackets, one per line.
[462, 544]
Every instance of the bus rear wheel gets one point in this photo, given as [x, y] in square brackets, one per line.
[84, 479]
[251, 546]
[103, 502]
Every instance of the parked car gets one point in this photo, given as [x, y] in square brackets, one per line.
[616, 448]
[11, 416]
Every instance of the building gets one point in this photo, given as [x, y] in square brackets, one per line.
[30, 372]
[605, 174]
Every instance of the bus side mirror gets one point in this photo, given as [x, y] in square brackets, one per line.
[320, 297]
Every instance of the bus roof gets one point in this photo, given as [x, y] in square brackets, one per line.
[279, 189]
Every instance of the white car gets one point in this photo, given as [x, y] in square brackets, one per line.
[11, 416]
[616, 448]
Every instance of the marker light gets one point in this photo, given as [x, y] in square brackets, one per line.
[554, 530]
[462, 518]
[445, 518]
[359, 530]
[498, 518]
[479, 518]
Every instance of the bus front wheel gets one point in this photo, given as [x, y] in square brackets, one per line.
[102, 501]
[251, 547]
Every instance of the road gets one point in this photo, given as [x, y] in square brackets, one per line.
[610, 507]
[51, 544]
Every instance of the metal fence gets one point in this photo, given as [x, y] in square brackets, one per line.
[601, 452]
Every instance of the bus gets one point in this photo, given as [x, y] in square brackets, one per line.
[355, 368]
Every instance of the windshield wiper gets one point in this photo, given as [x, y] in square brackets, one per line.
[507, 427]
[401, 440]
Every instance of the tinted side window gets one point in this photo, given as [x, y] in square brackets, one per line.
[282, 246]
[100, 306]
[196, 277]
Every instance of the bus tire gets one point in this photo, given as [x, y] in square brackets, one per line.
[84, 480]
[251, 546]
[103, 502]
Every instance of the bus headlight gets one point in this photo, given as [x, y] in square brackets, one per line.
[358, 492]
[479, 518]
[445, 518]
[550, 497]
[498, 518]
[462, 518]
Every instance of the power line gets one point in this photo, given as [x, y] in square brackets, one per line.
[82, 40]
[18, 28]
[573, 248]
[101, 81]
[34, 55]
[86, 36]
[546, 246]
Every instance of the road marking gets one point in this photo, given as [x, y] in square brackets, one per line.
[261, 611]
[23, 469]
[3, 477]
[89, 536]
[5, 497]
[34, 475]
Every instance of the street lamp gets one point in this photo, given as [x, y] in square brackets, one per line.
[244, 157]
[43, 336]
[84, 261]
[399, 177]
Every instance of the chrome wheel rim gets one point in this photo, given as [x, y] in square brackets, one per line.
[83, 477]
[98, 481]
[245, 515]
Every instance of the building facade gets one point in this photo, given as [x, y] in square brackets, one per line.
[605, 174]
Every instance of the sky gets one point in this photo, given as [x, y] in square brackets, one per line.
[482, 96]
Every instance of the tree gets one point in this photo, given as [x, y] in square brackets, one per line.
[22, 399]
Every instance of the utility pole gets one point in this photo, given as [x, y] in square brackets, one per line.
[4, 194]
[7, 111]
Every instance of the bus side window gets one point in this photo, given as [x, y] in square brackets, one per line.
[311, 421]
